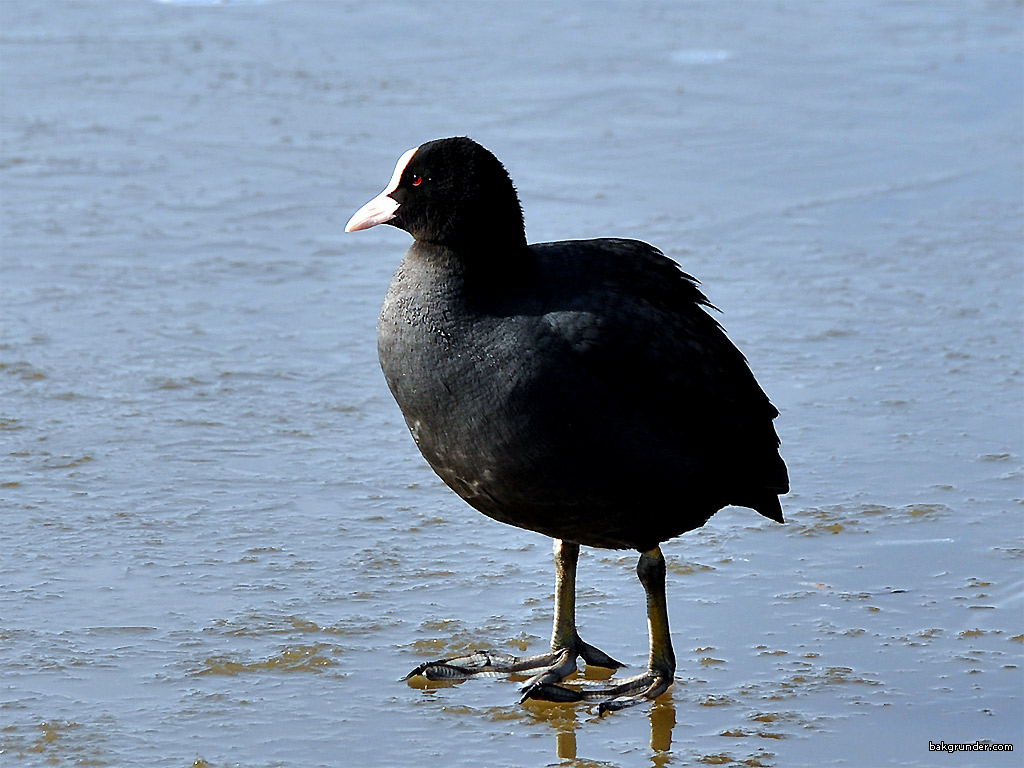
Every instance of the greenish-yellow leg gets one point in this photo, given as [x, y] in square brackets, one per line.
[661, 661]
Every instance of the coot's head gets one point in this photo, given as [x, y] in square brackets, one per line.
[448, 191]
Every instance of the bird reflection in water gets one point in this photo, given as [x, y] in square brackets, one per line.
[565, 721]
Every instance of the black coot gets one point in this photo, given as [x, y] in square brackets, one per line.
[576, 388]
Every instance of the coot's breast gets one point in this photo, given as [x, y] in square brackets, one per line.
[503, 405]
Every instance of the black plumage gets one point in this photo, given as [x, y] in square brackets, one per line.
[579, 388]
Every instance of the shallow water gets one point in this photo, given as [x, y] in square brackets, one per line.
[220, 544]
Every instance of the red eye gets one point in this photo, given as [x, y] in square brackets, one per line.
[417, 180]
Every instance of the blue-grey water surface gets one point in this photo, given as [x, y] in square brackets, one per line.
[220, 546]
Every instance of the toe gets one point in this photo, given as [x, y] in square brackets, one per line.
[595, 657]
[550, 692]
[646, 688]
[462, 667]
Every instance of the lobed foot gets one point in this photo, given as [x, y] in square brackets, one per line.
[478, 663]
[627, 693]
[553, 666]
[559, 664]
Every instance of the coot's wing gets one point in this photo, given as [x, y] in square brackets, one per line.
[650, 354]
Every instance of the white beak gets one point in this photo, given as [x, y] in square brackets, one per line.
[383, 207]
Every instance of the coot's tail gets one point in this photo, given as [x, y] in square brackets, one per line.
[765, 498]
[769, 506]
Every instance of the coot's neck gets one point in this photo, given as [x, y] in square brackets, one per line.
[482, 274]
